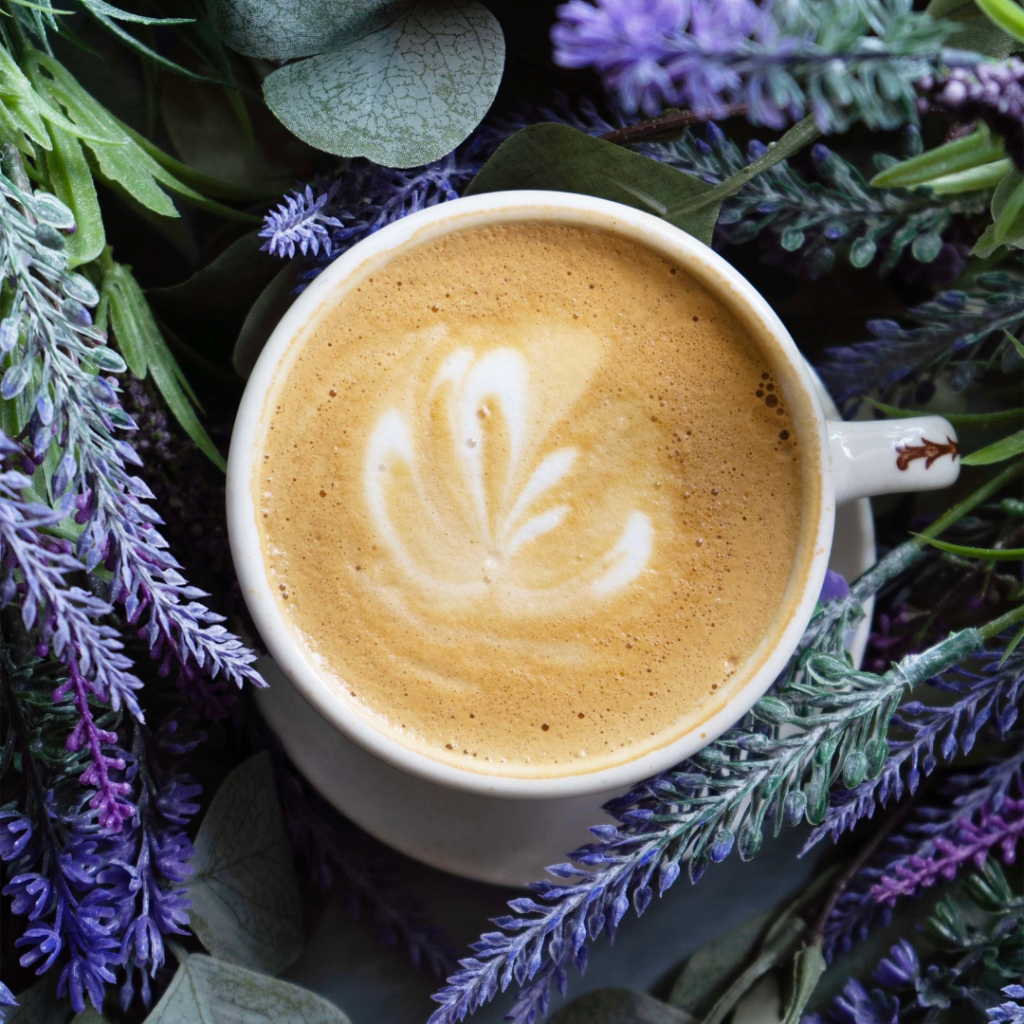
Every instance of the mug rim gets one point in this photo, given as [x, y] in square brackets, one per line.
[313, 303]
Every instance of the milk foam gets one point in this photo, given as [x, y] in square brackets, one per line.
[530, 497]
[481, 538]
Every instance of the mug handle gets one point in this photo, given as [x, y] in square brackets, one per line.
[891, 456]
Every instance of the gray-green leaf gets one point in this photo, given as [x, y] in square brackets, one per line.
[209, 991]
[404, 95]
[246, 906]
[620, 1006]
[560, 158]
[40, 1005]
[282, 29]
[709, 971]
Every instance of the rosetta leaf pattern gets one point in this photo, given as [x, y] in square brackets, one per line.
[402, 96]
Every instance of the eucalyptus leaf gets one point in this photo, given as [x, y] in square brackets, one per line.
[40, 1005]
[620, 1006]
[1008, 448]
[209, 991]
[708, 973]
[402, 96]
[556, 157]
[283, 29]
[974, 31]
[246, 906]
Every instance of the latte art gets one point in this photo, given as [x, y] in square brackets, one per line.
[530, 500]
[472, 533]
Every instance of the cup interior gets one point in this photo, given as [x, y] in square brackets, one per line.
[318, 301]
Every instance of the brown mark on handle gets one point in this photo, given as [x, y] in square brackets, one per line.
[927, 450]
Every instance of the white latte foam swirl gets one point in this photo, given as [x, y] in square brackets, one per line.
[479, 541]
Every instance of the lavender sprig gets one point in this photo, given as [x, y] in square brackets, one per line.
[841, 60]
[56, 359]
[64, 617]
[978, 942]
[6, 1000]
[329, 217]
[1009, 1013]
[722, 797]
[51, 847]
[988, 696]
[958, 333]
[965, 798]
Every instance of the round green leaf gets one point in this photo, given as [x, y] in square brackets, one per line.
[282, 29]
[402, 96]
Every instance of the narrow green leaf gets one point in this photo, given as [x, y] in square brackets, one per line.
[1016, 344]
[109, 11]
[973, 179]
[801, 134]
[971, 151]
[146, 351]
[562, 159]
[403, 95]
[118, 165]
[974, 31]
[157, 58]
[1012, 645]
[284, 29]
[1008, 448]
[209, 991]
[707, 973]
[808, 967]
[72, 183]
[1009, 16]
[246, 906]
[1009, 220]
[958, 419]
[986, 554]
[203, 183]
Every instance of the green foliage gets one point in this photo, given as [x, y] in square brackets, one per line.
[1006, 14]
[986, 554]
[554, 156]
[620, 1006]
[400, 82]
[145, 351]
[1008, 448]
[211, 991]
[1007, 227]
[246, 907]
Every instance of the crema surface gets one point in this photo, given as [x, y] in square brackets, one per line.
[531, 498]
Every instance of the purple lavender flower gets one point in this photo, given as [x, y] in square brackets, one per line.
[835, 587]
[988, 696]
[300, 221]
[779, 60]
[992, 92]
[329, 217]
[54, 353]
[64, 616]
[1009, 1013]
[978, 807]
[6, 1000]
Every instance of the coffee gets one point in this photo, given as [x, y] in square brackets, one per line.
[530, 497]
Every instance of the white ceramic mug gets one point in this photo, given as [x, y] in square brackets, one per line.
[488, 826]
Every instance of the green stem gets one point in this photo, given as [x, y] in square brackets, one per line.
[996, 626]
[903, 556]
